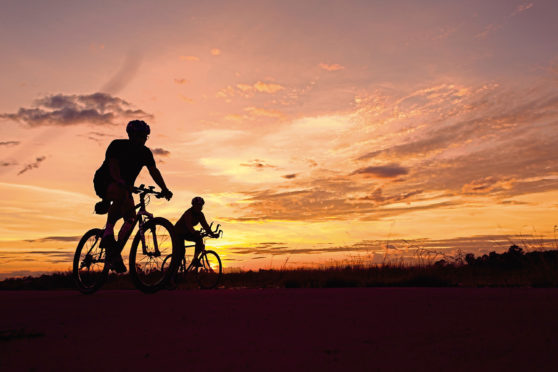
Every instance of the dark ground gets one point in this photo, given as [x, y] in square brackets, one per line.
[431, 329]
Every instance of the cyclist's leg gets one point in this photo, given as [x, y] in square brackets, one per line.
[199, 248]
[116, 194]
[129, 214]
[121, 205]
[180, 256]
[199, 244]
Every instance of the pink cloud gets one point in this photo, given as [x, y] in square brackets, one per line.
[332, 67]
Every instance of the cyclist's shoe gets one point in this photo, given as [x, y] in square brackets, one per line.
[197, 263]
[102, 207]
[117, 264]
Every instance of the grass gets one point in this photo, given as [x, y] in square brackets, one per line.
[513, 268]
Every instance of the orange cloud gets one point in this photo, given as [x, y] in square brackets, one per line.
[186, 99]
[245, 87]
[260, 87]
[215, 52]
[248, 90]
[189, 58]
[264, 112]
[96, 46]
[486, 185]
[333, 67]
[267, 87]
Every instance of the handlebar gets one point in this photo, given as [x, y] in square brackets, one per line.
[147, 190]
[209, 233]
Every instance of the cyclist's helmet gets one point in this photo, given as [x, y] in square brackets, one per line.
[198, 200]
[137, 127]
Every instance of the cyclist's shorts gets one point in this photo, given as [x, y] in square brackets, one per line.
[190, 237]
[101, 183]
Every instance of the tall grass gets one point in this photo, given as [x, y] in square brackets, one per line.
[515, 267]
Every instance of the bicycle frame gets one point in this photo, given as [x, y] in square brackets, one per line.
[204, 235]
[141, 217]
[153, 233]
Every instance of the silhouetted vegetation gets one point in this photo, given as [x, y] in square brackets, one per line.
[511, 268]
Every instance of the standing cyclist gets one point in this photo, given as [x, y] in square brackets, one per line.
[114, 181]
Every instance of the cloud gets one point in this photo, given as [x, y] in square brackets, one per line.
[55, 239]
[256, 111]
[7, 163]
[333, 198]
[258, 164]
[439, 147]
[332, 67]
[180, 81]
[9, 143]
[124, 75]
[186, 99]
[96, 47]
[160, 152]
[189, 58]
[33, 165]
[97, 136]
[215, 52]
[65, 110]
[289, 176]
[267, 87]
[497, 26]
[412, 249]
[379, 198]
[248, 90]
[521, 8]
[383, 171]
[488, 30]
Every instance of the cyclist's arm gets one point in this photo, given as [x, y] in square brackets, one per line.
[204, 223]
[157, 177]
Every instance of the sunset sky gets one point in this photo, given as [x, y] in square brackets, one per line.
[317, 131]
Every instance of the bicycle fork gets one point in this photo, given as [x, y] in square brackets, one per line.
[141, 231]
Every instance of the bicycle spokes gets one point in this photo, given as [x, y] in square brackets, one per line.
[152, 260]
[89, 269]
[209, 273]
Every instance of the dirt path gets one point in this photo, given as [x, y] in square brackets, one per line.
[282, 329]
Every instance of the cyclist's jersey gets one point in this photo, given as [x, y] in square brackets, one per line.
[131, 159]
[190, 217]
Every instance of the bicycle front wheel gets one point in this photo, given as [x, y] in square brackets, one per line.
[149, 255]
[89, 268]
[208, 275]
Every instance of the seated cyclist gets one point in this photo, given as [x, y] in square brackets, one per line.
[114, 180]
[184, 227]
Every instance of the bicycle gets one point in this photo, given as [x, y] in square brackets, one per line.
[156, 235]
[209, 271]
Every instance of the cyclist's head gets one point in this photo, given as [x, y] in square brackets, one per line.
[198, 202]
[138, 131]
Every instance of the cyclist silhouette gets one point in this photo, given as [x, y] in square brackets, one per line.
[114, 180]
[184, 227]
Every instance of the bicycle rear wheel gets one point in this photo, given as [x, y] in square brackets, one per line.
[208, 275]
[89, 268]
[149, 263]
